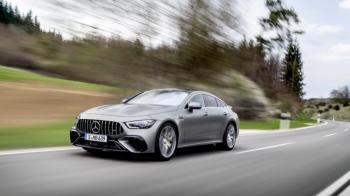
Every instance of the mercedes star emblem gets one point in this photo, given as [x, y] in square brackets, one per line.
[95, 126]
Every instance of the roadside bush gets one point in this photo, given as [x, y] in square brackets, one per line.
[330, 106]
[310, 106]
[345, 104]
[322, 104]
[303, 116]
[336, 107]
[326, 116]
[326, 110]
[320, 111]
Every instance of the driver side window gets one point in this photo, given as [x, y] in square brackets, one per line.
[198, 99]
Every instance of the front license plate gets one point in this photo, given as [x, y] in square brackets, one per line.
[95, 137]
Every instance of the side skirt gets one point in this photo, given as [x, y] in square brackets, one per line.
[200, 143]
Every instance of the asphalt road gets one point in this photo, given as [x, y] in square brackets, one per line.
[301, 162]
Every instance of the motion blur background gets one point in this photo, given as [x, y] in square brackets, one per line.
[50, 74]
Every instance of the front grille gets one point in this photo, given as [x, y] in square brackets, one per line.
[103, 127]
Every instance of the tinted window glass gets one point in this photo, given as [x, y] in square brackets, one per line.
[210, 101]
[198, 99]
[160, 97]
[220, 103]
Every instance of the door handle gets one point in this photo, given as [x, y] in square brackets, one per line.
[205, 113]
[225, 113]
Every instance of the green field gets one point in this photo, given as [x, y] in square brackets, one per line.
[17, 75]
[55, 134]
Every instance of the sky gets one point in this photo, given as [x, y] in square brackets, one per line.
[325, 45]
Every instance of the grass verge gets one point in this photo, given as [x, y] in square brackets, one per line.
[17, 75]
[46, 135]
[273, 124]
[263, 125]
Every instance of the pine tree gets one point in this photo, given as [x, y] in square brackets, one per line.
[11, 16]
[2, 12]
[4, 18]
[293, 70]
[17, 16]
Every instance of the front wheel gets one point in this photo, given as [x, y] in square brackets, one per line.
[166, 142]
[229, 138]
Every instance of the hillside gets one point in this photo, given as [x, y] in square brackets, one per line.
[28, 98]
[328, 109]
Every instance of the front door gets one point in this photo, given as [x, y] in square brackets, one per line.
[194, 122]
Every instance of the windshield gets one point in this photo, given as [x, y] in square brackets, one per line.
[160, 97]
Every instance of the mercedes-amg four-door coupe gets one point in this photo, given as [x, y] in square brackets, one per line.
[157, 121]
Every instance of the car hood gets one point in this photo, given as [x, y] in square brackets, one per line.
[130, 110]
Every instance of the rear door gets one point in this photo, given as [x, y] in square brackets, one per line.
[223, 109]
[216, 118]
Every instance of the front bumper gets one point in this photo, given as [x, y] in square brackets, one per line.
[131, 140]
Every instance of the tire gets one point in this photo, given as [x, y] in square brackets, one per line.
[92, 151]
[166, 142]
[229, 137]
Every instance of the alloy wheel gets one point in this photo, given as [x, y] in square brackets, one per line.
[167, 141]
[231, 136]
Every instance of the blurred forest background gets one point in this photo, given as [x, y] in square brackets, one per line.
[260, 77]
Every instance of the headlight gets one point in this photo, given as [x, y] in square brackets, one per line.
[140, 124]
[76, 121]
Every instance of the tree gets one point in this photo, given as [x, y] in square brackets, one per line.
[2, 12]
[12, 16]
[292, 74]
[201, 34]
[277, 26]
[196, 44]
[342, 93]
[336, 107]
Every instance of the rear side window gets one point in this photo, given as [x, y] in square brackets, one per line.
[198, 99]
[210, 101]
[220, 103]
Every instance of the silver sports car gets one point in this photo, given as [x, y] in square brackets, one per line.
[157, 121]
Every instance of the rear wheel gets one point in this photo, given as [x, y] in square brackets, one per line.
[166, 142]
[229, 138]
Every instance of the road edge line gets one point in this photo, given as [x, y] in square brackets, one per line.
[337, 186]
[265, 148]
[36, 150]
[329, 135]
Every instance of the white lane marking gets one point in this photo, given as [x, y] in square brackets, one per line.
[264, 148]
[336, 186]
[36, 150]
[329, 135]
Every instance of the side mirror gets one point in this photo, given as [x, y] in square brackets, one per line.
[194, 106]
[125, 100]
